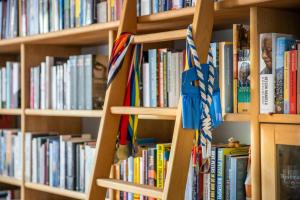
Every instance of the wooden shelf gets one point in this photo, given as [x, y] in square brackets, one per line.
[131, 187]
[56, 191]
[87, 35]
[225, 4]
[236, 117]
[10, 111]
[10, 181]
[146, 113]
[64, 113]
[169, 113]
[279, 118]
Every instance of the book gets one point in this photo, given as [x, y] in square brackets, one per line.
[282, 45]
[226, 76]
[222, 152]
[267, 72]
[286, 84]
[237, 174]
[293, 81]
[161, 149]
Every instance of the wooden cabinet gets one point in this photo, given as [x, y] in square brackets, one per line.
[280, 162]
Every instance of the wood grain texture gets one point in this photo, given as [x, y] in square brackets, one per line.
[268, 165]
[263, 20]
[124, 186]
[182, 142]
[106, 142]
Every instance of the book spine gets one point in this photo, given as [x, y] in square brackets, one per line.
[160, 166]
[153, 77]
[213, 174]
[298, 78]
[161, 80]
[293, 82]
[286, 83]
[280, 72]
[80, 82]
[8, 84]
[266, 75]
[88, 59]
[70, 173]
[28, 153]
[229, 78]
[136, 175]
[4, 87]
[146, 85]
[130, 175]
[62, 164]
[152, 168]
[220, 175]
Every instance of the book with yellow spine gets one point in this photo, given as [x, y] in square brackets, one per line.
[161, 149]
[286, 79]
[136, 175]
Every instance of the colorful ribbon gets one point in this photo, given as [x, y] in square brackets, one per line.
[119, 50]
[204, 76]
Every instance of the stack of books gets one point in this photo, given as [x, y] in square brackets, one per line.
[11, 153]
[148, 167]
[228, 173]
[53, 15]
[161, 77]
[10, 194]
[77, 82]
[279, 74]
[147, 7]
[10, 88]
[63, 161]
[9, 19]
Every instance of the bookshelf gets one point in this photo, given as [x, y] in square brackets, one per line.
[32, 49]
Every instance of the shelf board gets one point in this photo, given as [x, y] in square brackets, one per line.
[146, 113]
[64, 113]
[279, 118]
[164, 21]
[225, 4]
[56, 191]
[10, 181]
[168, 113]
[10, 111]
[145, 190]
[87, 35]
[236, 117]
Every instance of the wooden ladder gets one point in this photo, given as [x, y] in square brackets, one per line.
[182, 140]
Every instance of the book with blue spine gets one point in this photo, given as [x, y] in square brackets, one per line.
[153, 77]
[61, 14]
[283, 44]
[155, 6]
[8, 84]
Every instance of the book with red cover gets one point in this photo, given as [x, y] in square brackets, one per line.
[293, 81]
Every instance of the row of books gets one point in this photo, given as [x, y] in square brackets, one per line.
[148, 167]
[45, 16]
[10, 87]
[10, 194]
[10, 153]
[279, 74]
[63, 161]
[147, 7]
[9, 18]
[161, 78]
[229, 173]
[76, 82]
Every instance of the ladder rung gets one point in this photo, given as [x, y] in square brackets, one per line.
[146, 113]
[145, 190]
[160, 37]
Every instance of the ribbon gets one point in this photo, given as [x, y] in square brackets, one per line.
[119, 50]
[198, 110]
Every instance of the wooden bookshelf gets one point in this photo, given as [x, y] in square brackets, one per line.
[64, 113]
[56, 191]
[10, 181]
[156, 28]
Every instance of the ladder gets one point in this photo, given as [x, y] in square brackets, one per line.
[182, 141]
